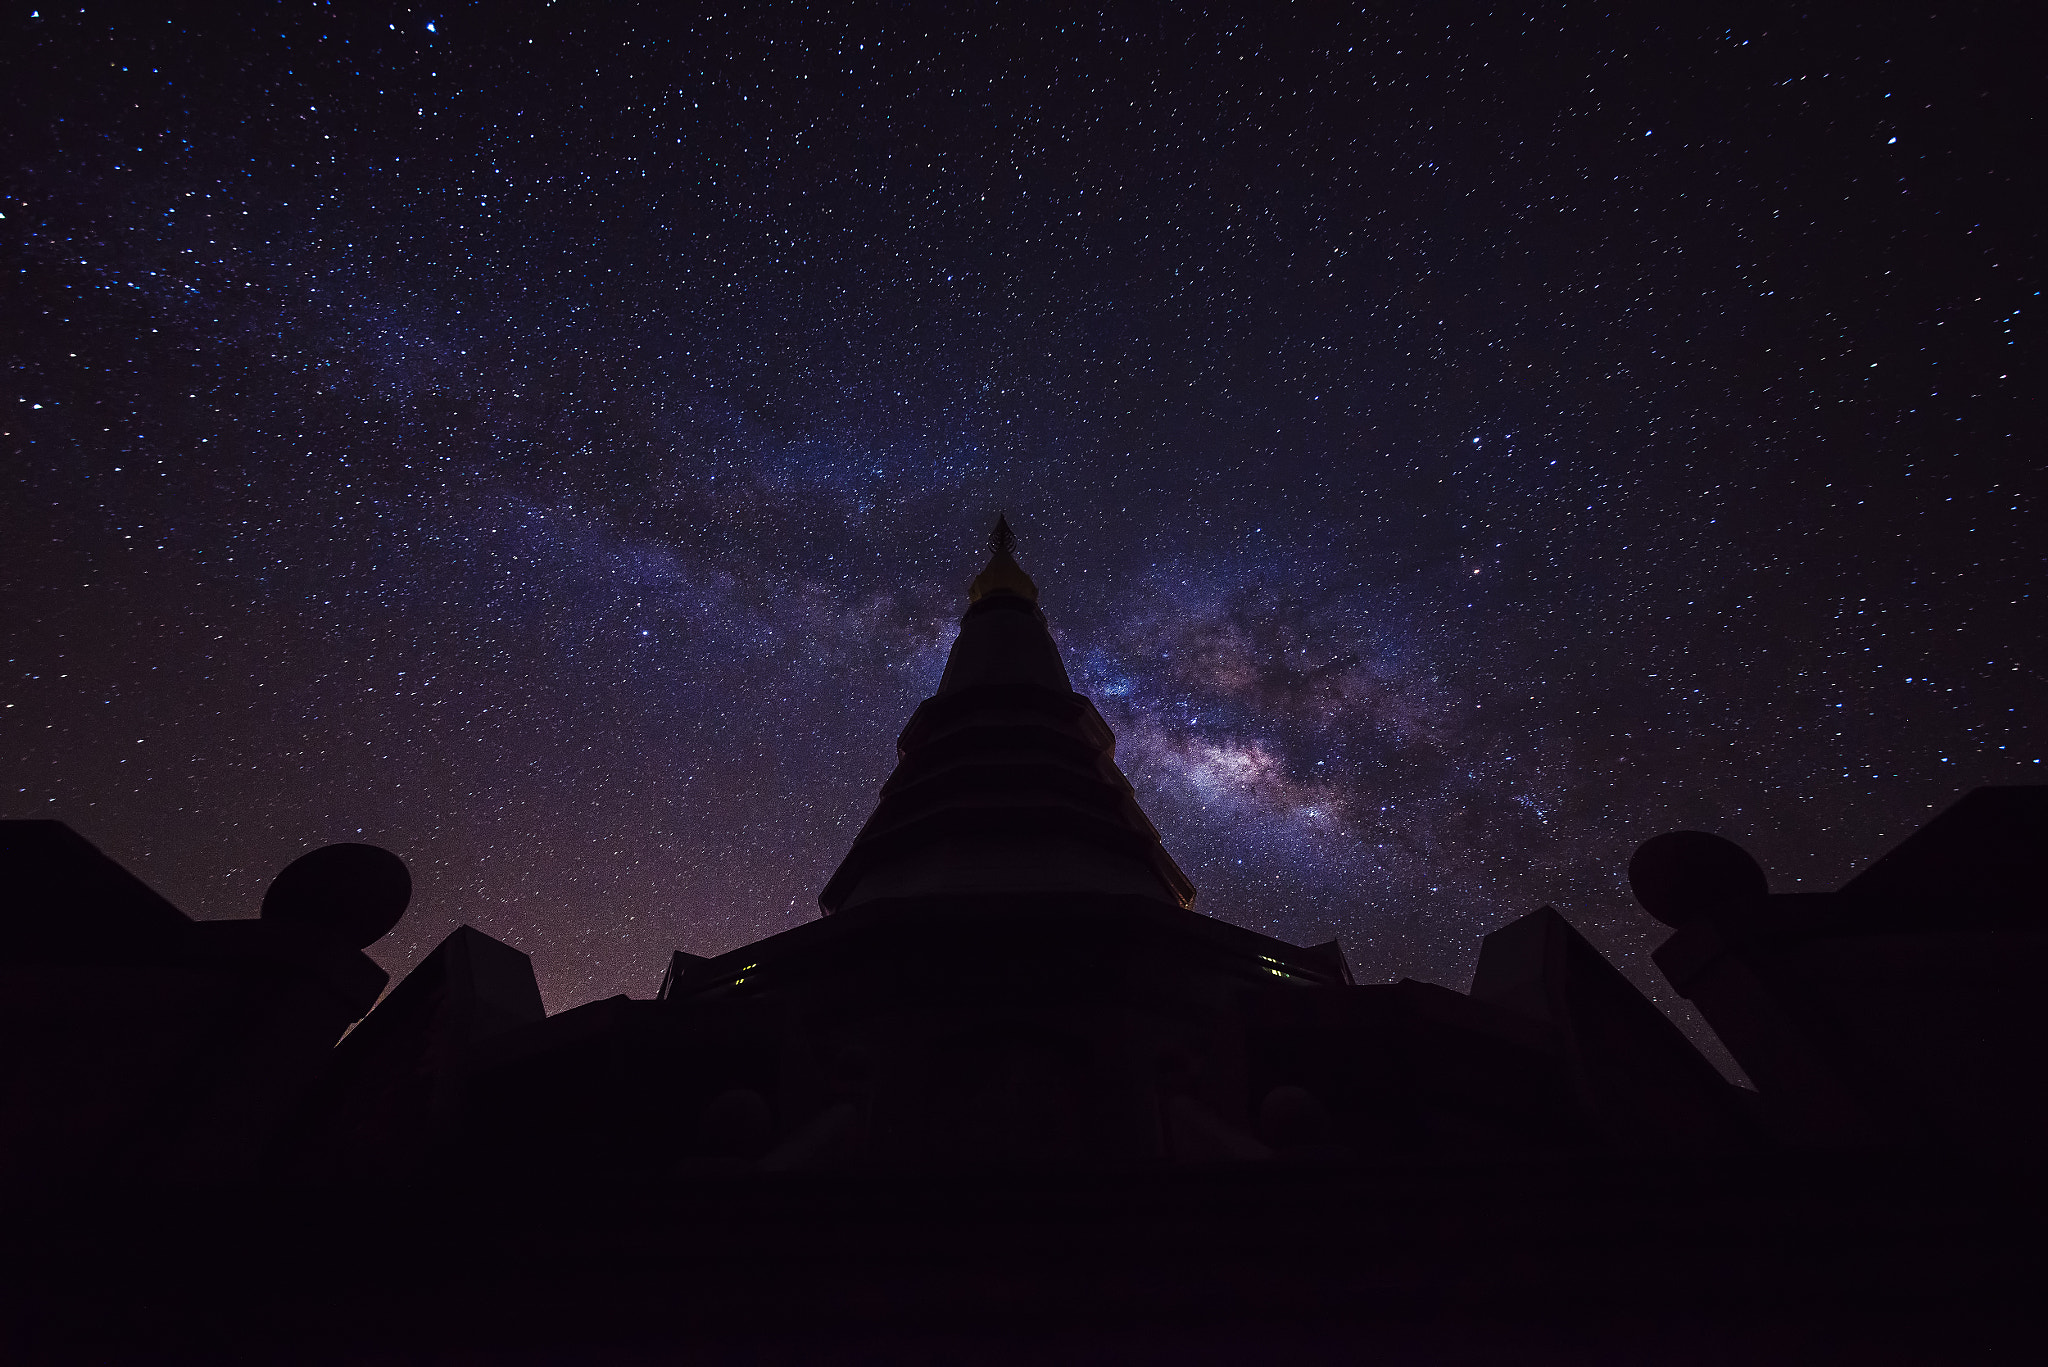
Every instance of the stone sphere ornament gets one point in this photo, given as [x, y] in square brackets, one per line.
[1681, 875]
[349, 892]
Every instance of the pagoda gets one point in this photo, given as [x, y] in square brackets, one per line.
[1009, 967]
[1011, 1088]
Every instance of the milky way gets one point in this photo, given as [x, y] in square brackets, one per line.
[553, 442]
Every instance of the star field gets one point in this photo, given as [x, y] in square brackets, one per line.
[553, 442]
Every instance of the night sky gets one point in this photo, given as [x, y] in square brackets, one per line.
[553, 442]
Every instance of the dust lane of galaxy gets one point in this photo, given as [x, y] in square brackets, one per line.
[1452, 447]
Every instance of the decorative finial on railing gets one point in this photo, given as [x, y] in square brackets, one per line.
[1002, 540]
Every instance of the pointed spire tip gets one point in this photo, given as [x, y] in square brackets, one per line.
[1002, 574]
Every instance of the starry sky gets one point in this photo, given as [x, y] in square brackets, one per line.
[553, 441]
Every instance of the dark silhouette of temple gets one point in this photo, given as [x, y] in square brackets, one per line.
[1011, 1096]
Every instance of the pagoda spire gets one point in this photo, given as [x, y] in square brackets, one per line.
[1002, 574]
[1006, 782]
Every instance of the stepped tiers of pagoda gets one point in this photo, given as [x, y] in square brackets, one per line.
[1010, 1068]
[1006, 781]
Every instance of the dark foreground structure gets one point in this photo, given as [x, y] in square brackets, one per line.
[1012, 1099]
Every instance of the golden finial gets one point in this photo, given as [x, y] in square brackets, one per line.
[1002, 574]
